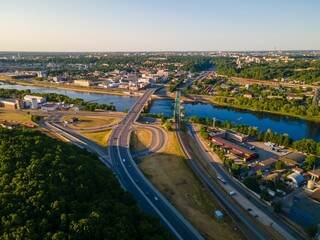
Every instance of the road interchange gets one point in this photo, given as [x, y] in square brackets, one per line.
[119, 159]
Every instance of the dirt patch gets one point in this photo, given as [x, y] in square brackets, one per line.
[171, 175]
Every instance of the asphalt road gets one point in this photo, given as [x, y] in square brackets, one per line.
[135, 182]
[290, 233]
[247, 226]
[159, 140]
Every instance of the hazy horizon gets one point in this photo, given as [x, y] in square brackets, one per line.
[159, 26]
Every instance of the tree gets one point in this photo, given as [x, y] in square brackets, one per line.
[251, 182]
[277, 207]
[280, 165]
[168, 126]
[235, 169]
[52, 189]
[265, 195]
[310, 161]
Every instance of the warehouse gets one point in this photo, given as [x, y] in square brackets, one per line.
[247, 153]
[293, 159]
[9, 104]
[38, 98]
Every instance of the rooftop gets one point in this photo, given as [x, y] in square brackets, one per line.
[234, 145]
[315, 172]
[268, 162]
[298, 157]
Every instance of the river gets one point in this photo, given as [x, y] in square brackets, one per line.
[296, 128]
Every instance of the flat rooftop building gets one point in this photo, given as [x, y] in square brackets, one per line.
[293, 159]
[315, 173]
[38, 98]
[247, 153]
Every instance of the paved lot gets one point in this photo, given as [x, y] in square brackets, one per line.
[264, 151]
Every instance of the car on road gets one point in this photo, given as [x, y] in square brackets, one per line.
[249, 209]
[232, 193]
[123, 160]
[155, 198]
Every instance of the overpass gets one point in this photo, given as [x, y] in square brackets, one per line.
[133, 180]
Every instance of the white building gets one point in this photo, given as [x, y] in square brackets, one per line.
[296, 179]
[83, 83]
[34, 103]
[30, 97]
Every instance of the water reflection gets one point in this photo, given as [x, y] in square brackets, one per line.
[296, 128]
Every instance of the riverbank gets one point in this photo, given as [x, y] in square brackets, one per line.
[67, 87]
[314, 119]
[79, 88]
[209, 99]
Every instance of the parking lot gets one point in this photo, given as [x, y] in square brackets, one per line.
[265, 152]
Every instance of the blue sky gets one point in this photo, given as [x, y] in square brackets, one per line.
[158, 25]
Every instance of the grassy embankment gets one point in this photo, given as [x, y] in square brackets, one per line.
[100, 137]
[12, 117]
[90, 122]
[139, 140]
[24, 118]
[170, 174]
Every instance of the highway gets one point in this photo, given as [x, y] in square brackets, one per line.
[286, 230]
[77, 140]
[119, 159]
[248, 226]
[135, 182]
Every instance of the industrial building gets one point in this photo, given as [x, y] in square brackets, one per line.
[83, 83]
[34, 103]
[293, 159]
[38, 98]
[296, 178]
[315, 174]
[239, 137]
[305, 211]
[19, 104]
[49, 107]
[239, 150]
[8, 103]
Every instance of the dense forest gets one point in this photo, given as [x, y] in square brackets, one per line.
[54, 97]
[307, 71]
[53, 190]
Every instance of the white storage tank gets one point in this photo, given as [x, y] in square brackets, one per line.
[310, 184]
